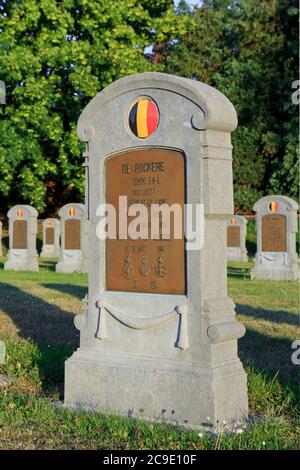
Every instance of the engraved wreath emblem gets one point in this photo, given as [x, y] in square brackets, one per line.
[144, 267]
[127, 270]
[160, 269]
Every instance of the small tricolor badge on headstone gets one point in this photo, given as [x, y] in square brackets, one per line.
[72, 212]
[50, 223]
[233, 221]
[20, 214]
[143, 118]
[274, 206]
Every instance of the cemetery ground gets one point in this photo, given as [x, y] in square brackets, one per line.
[36, 322]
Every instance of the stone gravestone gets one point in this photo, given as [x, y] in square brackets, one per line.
[51, 234]
[73, 251]
[1, 249]
[22, 254]
[236, 238]
[158, 337]
[276, 228]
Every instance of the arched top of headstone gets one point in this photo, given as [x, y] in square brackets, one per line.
[215, 110]
[22, 212]
[275, 204]
[72, 211]
[236, 220]
[50, 222]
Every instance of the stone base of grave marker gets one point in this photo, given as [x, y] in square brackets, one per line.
[73, 261]
[150, 395]
[236, 254]
[271, 266]
[169, 390]
[50, 251]
[18, 260]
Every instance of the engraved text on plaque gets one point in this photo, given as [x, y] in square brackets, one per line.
[154, 176]
[72, 234]
[20, 234]
[49, 235]
[233, 236]
[274, 233]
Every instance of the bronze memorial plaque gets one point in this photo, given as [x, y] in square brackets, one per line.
[274, 233]
[233, 236]
[49, 235]
[20, 235]
[72, 234]
[148, 176]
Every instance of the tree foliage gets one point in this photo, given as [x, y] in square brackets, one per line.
[249, 51]
[54, 57]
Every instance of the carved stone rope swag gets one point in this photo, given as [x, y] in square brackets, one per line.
[139, 323]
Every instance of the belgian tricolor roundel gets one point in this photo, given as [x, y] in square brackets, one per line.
[143, 118]
[274, 206]
[20, 214]
[72, 212]
[233, 221]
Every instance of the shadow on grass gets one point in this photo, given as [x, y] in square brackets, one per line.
[275, 316]
[47, 265]
[44, 323]
[49, 327]
[270, 356]
[75, 291]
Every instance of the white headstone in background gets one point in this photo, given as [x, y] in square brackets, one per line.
[74, 231]
[236, 238]
[51, 234]
[22, 254]
[276, 228]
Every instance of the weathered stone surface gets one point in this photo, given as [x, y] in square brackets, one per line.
[157, 355]
[276, 227]
[22, 254]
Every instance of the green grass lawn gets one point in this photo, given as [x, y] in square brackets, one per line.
[36, 322]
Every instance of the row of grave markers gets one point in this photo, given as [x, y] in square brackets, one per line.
[276, 221]
[276, 227]
[166, 350]
[72, 230]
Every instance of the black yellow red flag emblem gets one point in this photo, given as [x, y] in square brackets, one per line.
[143, 118]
